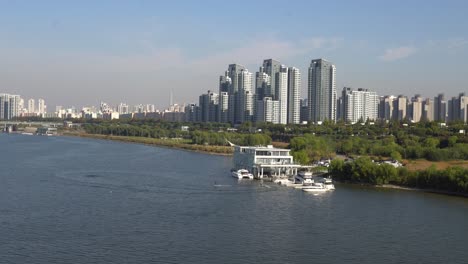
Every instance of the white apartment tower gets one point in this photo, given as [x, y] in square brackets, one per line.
[41, 106]
[245, 107]
[359, 105]
[268, 110]
[416, 108]
[9, 106]
[294, 90]
[282, 94]
[31, 106]
[223, 107]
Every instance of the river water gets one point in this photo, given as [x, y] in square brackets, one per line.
[73, 200]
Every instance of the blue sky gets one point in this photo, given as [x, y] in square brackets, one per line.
[81, 52]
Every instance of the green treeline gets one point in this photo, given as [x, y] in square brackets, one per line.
[396, 140]
[199, 136]
[363, 170]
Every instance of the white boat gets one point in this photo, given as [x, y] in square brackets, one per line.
[303, 177]
[315, 187]
[309, 184]
[328, 183]
[242, 174]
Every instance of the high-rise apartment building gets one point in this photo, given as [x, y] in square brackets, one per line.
[208, 107]
[322, 91]
[268, 110]
[192, 113]
[123, 108]
[282, 94]
[31, 106]
[294, 90]
[428, 110]
[41, 106]
[400, 105]
[230, 82]
[440, 108]
[457, 108]
[304, 110]
[223, 107]
[9, 106]
[386, 107]
[245, 106]
[262, 83]
[416, 108]
[272, 67]
[359, 105]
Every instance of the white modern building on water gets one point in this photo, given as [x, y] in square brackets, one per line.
[265, 161]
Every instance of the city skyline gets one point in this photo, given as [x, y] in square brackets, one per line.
[144, 50]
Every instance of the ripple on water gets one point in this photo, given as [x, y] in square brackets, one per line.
[146, 182]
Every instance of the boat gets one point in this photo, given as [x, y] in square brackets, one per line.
[315, 187]
[309, 184]
[242, 174]
[328, 183]
[303, 177]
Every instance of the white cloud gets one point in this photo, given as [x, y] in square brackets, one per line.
[397, 53]
[257, 50]
[457, 43]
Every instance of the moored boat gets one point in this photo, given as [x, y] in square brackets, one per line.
[242, 174]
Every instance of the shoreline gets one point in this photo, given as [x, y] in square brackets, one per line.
[212, 150]
[411, 189]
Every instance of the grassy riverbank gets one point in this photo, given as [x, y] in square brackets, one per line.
[170, 143]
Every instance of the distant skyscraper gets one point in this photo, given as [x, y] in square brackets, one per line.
[232, 85]
[41, 106]
[322, 91]
[457, 108]
[262, 83]
[428, 110]
[268, 110]
[272, 67]
[304, 110]
[245, 106]
[400, 105]
[440, 108]
[464, 108]
[123, 109]
[386, 107]
[31, 106]
[225, 84]
[208, 107]
[416, 108]
[282, 94]
[294, 90]
[9, 106]
[192, 113]
[360, 104]
[223, 107]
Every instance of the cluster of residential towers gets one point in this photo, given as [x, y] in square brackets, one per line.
[272, 94]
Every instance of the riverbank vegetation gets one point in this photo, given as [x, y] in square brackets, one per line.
[363, 170]
[381, 140]
[166, 142]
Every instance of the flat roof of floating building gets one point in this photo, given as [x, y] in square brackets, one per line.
[267, 148]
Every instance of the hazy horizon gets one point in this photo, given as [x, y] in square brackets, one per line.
[81, 53]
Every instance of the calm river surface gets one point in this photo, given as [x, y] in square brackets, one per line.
[72, 200]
